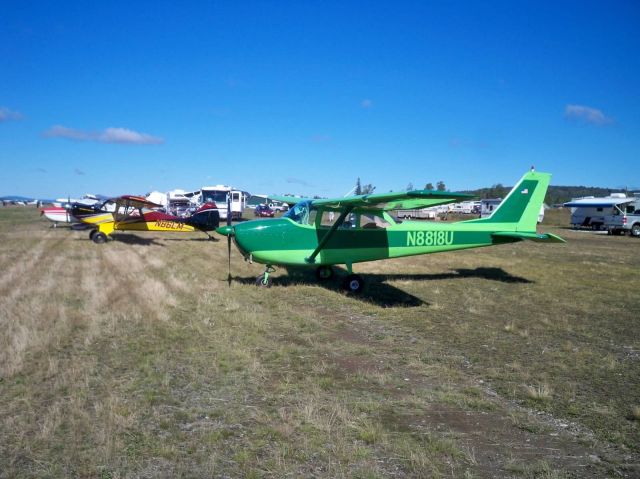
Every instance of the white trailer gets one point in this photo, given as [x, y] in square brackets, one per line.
[596, 213]
[218, 194]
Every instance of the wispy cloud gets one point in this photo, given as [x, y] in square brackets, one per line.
[320, 138]
[6, 114]
[366, 103]
[298, 181]
[586, 114]
[462, 143]
[78, 172]
[108, 135]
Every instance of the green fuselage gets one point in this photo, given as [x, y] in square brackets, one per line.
[285, 242]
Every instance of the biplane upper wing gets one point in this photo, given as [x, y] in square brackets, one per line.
[135, 201]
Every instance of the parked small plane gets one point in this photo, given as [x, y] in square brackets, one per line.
[135, 213]
[326, 232]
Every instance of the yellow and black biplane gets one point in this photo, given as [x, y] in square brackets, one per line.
[135, 213]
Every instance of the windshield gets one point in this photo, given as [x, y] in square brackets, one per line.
[299, 213]
[214, 196]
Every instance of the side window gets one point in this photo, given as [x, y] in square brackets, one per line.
[373, 221]
[328, 218]
[311, 219]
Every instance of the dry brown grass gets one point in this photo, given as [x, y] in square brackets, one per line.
[135, 359]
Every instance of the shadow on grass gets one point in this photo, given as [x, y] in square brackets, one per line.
[135, 240]
[212, 238]
[494, 274]
[378, 291]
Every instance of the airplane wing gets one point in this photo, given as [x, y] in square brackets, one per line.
[290, 200]
[396, 201]
[135, 201]
[405, 200]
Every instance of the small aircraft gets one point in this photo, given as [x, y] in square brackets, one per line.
[57, 214]
[325, 232]
[60, 212]
[135, 213]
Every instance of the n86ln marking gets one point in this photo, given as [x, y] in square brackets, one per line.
[169, 224]
[429, 238]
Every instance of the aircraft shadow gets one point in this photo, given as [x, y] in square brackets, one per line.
[135, 240]
[213, 238]
[494, 274]
[377, 289]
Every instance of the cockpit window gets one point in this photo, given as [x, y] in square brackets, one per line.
[299, 213]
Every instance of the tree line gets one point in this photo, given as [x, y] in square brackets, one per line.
[555, 194]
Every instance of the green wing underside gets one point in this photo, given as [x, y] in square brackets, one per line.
[385, 201]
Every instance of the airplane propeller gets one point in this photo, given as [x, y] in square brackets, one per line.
[229, 236]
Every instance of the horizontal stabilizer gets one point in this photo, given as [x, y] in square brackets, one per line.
[520, 235]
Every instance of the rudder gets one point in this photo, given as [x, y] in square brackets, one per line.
[522, 204]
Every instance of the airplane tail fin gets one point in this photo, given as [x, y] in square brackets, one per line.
[521, 207]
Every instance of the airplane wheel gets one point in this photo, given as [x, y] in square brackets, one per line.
[264, 282]
[99, 238]
[92, 234]
[353, 283]
[324, 273]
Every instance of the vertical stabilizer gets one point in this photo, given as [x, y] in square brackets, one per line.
[522, 205]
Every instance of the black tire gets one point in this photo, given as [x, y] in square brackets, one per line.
[99, 238]
[264, 282]
[92, 234]
[353, 283]
[635, 230]
[324, 273]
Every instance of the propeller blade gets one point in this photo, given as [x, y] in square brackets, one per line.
[229, 236]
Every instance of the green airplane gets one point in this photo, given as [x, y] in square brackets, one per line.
[321, 233]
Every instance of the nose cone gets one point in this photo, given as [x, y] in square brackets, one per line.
[225, 230]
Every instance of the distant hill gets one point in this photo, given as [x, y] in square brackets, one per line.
[555, 194]
[15, 198]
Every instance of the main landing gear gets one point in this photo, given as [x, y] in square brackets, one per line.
[353, 283]
[97, 237]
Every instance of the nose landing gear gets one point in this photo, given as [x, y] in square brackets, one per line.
[264, 279]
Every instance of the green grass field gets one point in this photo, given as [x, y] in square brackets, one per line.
[136, 359]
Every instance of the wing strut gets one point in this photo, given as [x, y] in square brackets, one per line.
[312, 259]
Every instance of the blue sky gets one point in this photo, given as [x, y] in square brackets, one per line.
[304, 97]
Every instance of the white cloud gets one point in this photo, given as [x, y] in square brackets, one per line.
[59, 131]
[108, 135]
[6, 114]
[299, 181]
[586, 114]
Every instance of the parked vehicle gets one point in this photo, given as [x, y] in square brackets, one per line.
[263, 211]
[625, 218]
[218, 195]
[596, 213]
